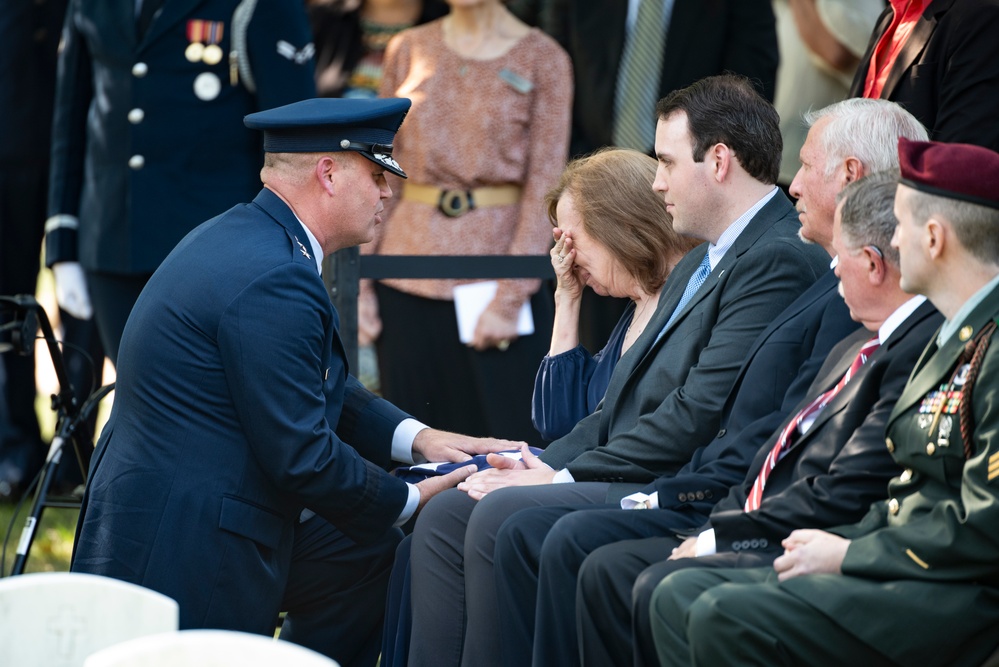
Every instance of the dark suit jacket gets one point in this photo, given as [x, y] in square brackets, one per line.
[932, 543]
[775, 377]
[666, 396]
[199, 159]
[833, 472]
[705, 37]
[233, 412]
[947, 74]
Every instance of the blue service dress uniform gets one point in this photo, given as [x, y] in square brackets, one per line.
[147, 139]
[233, 412]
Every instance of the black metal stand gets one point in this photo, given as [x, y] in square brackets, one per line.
[70, 415]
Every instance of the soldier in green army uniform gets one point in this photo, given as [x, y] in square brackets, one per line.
[916, 582]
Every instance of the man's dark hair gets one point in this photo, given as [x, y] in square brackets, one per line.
[727, 109]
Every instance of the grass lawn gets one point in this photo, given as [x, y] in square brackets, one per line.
[53, 543]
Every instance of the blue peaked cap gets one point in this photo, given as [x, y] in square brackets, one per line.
[330, 124]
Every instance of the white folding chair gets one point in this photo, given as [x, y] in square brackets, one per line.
[207, 648]
[57, 619]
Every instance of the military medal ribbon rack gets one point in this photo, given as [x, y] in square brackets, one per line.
[204, 37]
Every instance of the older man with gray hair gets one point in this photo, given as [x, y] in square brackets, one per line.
[541, 552]
[926, 558]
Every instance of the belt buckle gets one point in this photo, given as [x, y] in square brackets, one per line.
[454, 203]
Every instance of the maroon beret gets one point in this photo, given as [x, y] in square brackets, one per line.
[956, 171]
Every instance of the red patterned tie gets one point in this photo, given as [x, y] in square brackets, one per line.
[790, 432]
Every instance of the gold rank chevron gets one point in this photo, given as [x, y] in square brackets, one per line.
[993, 466]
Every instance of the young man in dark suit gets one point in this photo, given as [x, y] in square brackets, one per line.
[666, 395]
[242, 470]
[916, 581]
[539, 553]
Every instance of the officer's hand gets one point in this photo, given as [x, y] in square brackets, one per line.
[437, 446]
[71, 290]
[431, 486]
[810, 551]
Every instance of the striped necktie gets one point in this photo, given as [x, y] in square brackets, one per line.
[793, 429]
[638, 79]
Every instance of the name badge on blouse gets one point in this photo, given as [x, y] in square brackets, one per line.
[515, 81]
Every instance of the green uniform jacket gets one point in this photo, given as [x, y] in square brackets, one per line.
[922, 570]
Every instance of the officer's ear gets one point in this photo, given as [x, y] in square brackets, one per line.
[326, 170]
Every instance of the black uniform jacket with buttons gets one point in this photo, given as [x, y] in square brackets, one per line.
[146, 144]
[833, 472]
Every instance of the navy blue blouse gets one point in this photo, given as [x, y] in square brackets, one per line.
[570, 385]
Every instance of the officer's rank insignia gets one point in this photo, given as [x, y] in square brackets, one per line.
[204, 38]
[297, 56]
[301, 247]
[993, 466]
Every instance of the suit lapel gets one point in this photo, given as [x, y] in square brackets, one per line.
[764, 219]
[848, 392]
[172, 12]
[914, 45]
[940, 364]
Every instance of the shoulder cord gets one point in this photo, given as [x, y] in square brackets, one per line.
[974, 351]
[241, 17]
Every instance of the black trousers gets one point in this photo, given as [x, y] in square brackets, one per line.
[425, 370]
[453, 577]
[335, 593]
[540, 553]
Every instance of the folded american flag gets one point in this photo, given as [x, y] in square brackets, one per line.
[421, 471]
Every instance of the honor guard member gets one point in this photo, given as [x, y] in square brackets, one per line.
[147, 142]
[234, 410]
[916, 582]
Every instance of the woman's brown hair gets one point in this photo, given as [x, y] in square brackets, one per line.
[612, 192]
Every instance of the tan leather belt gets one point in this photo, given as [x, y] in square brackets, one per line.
[454, 203]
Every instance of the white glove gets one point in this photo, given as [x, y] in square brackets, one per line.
[71, 290]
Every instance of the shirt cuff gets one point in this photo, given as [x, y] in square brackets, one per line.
[411, 504]
[640, 501]
[563, 476]
[705, 545]
[402, 441]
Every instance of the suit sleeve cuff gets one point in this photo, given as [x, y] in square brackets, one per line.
[402, 442]
[411, 504]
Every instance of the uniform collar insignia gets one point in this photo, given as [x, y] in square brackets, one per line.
[301, 247]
